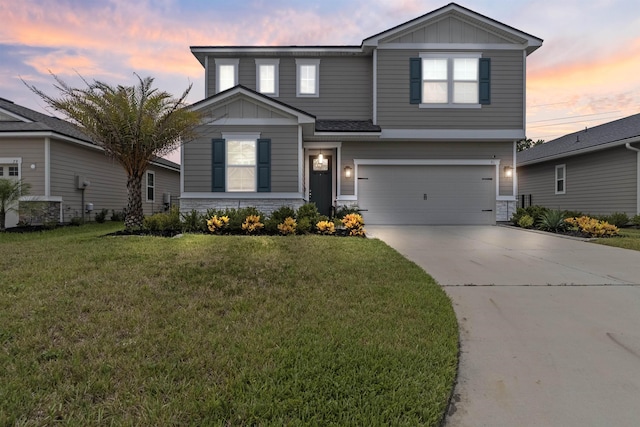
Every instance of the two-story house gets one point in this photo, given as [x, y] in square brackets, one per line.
[416, 125]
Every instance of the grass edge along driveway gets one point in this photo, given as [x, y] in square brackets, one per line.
[215, 330]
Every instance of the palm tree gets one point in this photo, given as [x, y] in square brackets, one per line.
[10, 192]
[134, 125]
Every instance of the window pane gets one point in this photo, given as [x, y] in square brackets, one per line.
[434, 92]
[308, 79]
[1, 171]
[241, 179]
[465, 93]
[434, 69]
[150, 179]
[465, 69]
[227, 77]
[241, 152]
[267, 79]
[150, 193]
[560, 173]
[560, 186]
[13, 171]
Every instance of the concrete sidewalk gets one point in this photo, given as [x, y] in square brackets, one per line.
[549, 327]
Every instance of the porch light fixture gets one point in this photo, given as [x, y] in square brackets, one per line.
[347, 171]
[508, 171]
[320, 157]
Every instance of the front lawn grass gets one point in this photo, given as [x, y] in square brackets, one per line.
[629, 238]
[219, 330]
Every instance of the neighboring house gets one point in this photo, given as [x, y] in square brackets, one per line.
[417, 125]
[67, 171]
[595, 171]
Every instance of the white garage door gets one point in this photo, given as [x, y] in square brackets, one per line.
[400, 194]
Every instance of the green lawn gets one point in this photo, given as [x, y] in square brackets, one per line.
[629, 238]
[211, 330]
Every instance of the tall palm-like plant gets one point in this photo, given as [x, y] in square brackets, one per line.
[134, 125]
[10, 192]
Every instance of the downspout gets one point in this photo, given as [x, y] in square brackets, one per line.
[629, 147]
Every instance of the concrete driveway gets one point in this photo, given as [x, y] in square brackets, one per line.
[549, 326]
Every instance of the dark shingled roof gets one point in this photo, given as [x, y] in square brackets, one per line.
[591, 138]
[346, 126]
[41, 122]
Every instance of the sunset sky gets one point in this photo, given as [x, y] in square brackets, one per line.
[587, 71]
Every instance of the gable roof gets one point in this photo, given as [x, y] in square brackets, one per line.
[17, 119]
[529, 41]
[617, 132]
[28, 120]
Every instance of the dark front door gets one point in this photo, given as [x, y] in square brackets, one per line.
[320, 184]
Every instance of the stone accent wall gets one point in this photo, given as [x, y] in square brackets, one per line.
[264, 205]
[505, 209]
[39, 213]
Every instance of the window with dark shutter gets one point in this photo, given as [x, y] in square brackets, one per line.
[264, 165]
[484, 80]
[415, 80]
[218, 165]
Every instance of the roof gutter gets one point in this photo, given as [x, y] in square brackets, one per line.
[629, 147]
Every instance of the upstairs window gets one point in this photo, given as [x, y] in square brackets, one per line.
[450, 80]
[226, 74]
[267, 76]
[308, 78]
[561, 181]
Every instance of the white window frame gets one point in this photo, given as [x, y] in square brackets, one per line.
[232, 136]
[305, 63]
[226, 62]
[562, 179]
[152, 187]
[275, 63]
[450, 57]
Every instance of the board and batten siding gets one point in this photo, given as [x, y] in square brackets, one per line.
[597, 183]
[31, 151]
[427, 150]
[345, 85]
[197, 156]
[506, 110]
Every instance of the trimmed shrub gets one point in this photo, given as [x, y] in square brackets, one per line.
[354, 224]
[288, 226]
[217, 223]
[525, 221]
[101, 216]
[164, 221]
[325, 227]
[193, 222]
[344, 210]
[636, 220]
[277, 217]
[252, 224]
[592, 227]
[308, 216]
[619, 219]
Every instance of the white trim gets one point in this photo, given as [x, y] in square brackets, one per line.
[147, 186]
[514, 175]
[457, 46]
[240, 136]
[450, 105]
[275, 49]
[11, 160]
[303, 62]
[375, 86]
[556, 180]
[47, 166]
[629, 147]
[241, 195]
[41, 198]
[226, 61]
[506, 199]
[52, 134]
[253, 122]
[427, 162]
[347, 198]
[206, 76]
[465, 134]
[276, 75]
[181, 170]
[300, 161]
[322, 145]
[524, 91]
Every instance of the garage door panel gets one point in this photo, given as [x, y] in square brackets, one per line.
[393, 194]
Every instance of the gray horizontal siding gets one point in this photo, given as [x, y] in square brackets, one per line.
[345, 86]
[507, 91]
[598, 183]
[284, 156]
[31, 151]
[426, 150]
[108, 188]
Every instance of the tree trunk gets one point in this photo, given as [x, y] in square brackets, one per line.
[3, 216]
[134, 216]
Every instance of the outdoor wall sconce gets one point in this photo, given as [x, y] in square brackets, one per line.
[508, 171]
[320, 157]
[347, 171]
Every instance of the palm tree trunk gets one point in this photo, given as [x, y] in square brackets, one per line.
[134, 216]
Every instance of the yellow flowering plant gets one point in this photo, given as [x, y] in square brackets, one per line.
[592, 227]
[326, 227]
[288, 226]
[217, 223]
[252, 224]
[354, 224]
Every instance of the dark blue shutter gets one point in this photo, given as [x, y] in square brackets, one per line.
[218, 165]
[264, 165]
[415, 80]
[485, 81]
